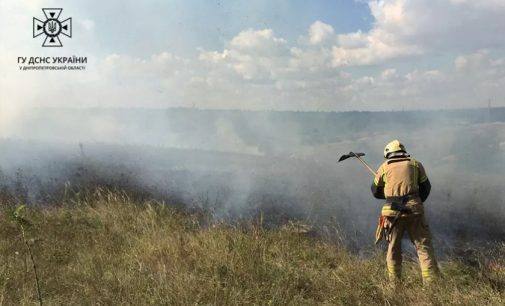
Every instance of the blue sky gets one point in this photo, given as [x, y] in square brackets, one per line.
[282, 55]
[182, 26]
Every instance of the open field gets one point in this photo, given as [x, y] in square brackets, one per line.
[104, 248]
[242, 208]
[465, 207]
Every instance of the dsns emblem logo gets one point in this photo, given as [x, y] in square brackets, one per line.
[52, 27]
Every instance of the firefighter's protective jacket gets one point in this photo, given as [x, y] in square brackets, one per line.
[401, 176]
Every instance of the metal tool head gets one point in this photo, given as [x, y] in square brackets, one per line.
[351, 154]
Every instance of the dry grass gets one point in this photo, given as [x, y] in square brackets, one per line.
[105, 249]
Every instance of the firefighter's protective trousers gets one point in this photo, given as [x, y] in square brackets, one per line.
[417, 228]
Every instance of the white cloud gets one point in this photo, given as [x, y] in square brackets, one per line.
[404, 28]
[389, 74]
[261, 42]
[319, 32]
[259, 69]
[252, 55]
[353, 40]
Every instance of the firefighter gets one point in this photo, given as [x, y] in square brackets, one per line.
[402, 182]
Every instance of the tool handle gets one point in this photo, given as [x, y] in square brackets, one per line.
[366, 165]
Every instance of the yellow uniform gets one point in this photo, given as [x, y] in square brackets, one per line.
[403, 182]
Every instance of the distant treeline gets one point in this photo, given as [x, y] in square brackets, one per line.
[261, 128]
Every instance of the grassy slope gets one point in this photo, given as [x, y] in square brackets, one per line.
[108, 250]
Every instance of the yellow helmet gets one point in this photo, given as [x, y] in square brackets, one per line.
[393, 146]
